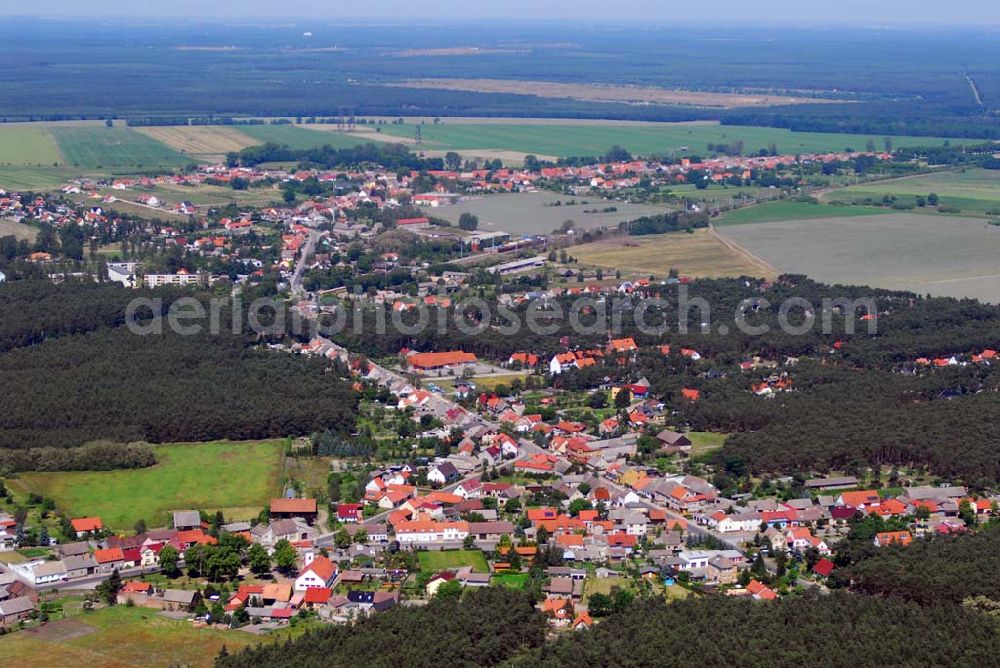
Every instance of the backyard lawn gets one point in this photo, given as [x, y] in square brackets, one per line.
[434, 561]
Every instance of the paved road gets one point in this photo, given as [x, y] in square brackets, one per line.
[300, 267]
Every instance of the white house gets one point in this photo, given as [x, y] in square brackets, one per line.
[693, 559]
[429, 531]
[319, 572]
[443, 473]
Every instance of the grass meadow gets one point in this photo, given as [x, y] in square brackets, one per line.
[122, 636]
[975, 191]
[238, 478]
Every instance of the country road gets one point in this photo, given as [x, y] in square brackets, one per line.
[300, 267]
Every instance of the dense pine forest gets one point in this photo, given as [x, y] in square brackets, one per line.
[942, 569]
[73, 374]
[486, 628]
[835, 630]
[494, 627]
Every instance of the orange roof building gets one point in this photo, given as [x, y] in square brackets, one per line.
[438, 360]
[293, 507]
[87, 524]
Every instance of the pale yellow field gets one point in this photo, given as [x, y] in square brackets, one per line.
[697, 255]
[201, 140]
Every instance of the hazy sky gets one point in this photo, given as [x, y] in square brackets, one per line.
[866, 12]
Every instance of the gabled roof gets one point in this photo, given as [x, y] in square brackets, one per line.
[83, 524]
[108, 556]
[322, 567]
[292, 506]
[824, 567]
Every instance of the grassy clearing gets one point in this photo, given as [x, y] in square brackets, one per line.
[238, 478]
[580, 140]
[434, 561]
[28, 145]
[792, 210]
[19, 230]
[114, 148]
[121, 636]
[200, 140]
[605, 585]
[511, 580]
[696, 255]
[704, 442]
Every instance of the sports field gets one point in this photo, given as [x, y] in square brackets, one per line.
[115, 148]
[973, 191]
[697, 255]
[25, 144]
[118, 637]
[238, 478]
[578, 139]
[937, 254]
[434, 561]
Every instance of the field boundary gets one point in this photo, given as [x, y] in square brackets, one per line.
[740, 250]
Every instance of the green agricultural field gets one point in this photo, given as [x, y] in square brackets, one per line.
[974, 191]
[234, 477]
[564, 140]
[793, 210]
[434, 561]
[35, 178]
[123, 636]
[120, 149]
[302, 137]
[22, 144]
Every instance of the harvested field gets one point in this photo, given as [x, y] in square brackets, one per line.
[19, 230]
[928, 254]
[533, 213]
[698, 255]
[611, 93]
[200, 141]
